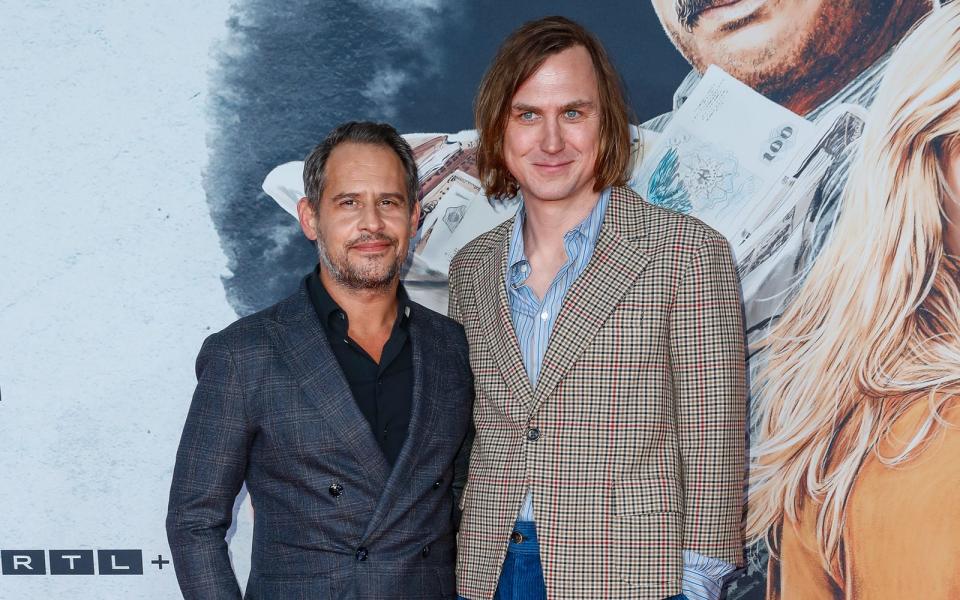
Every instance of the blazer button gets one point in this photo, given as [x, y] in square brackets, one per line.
[362, 554]
[533, 434]
[425, 552]
[437, 484]
[335, 489]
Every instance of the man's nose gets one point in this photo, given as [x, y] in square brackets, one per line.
[370, 217]
[552, 140]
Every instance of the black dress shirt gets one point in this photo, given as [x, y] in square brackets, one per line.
[384, 391]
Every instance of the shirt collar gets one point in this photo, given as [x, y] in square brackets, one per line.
[587, 230]
[329, 311]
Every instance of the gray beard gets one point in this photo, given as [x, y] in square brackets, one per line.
[355, 279]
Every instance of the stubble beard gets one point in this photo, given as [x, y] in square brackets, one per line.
[822, 60]
[356, 277]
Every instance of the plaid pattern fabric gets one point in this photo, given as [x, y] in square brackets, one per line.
[633, 441]
[861, 90]
[533, 318]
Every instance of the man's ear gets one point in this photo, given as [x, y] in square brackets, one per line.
[308, 218]
[414, 219]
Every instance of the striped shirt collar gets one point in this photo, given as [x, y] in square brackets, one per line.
[587, 230]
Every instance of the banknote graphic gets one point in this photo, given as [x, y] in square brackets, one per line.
[752, 170]
[697, 177]
[722, 155]
[774, 259]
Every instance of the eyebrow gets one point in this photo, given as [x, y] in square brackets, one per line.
[354, 196]
[521, 107]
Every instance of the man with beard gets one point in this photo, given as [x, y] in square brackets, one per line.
[345, 408]
[807, 55]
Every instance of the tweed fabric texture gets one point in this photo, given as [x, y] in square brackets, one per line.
[272, 409]
[633, 441]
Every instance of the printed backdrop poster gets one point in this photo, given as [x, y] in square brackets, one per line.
[147, 167]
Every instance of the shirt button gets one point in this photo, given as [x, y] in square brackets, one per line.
[335, 489]
[544, 316]
[533, 434]
[362, 554]
[524, 268]
[425, 552]
[437, 484]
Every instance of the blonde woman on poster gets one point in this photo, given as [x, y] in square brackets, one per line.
[856, 469]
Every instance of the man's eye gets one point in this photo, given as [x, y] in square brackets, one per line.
[571, 114]
[527, 116]
[348, 202]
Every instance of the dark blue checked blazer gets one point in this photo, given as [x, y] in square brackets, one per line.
[331, 518]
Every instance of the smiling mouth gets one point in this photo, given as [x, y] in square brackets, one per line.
[372, 247]
[552, 166]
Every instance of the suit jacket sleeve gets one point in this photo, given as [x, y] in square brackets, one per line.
[453, 300]
[209, 473]
[709, 373]
[461, 464]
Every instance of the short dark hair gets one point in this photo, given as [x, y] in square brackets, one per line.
[359, 132]
[520, 55]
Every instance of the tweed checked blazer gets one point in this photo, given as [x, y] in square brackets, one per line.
[633, 440]
[331, 518]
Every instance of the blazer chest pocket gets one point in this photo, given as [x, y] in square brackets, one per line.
[647, 532]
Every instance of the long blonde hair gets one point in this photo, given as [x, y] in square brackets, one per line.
[875, 327]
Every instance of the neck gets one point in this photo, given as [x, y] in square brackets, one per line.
[366, 309]
[804, 97]
[546, 222]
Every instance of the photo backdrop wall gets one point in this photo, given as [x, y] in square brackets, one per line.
[138, 141]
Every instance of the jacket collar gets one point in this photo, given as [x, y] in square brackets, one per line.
[617, 261]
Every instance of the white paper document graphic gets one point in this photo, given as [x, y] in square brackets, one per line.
[455, 209]
[751, 169]
[722, 154]
[285, 185]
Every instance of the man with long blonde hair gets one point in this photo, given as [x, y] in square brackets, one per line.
[854, 477]
[606, 341]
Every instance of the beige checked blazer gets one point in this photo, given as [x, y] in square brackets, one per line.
[633, 440]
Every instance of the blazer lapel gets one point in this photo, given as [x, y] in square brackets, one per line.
[493, 311]
[616, 263]
[421, 417]
[304, 347]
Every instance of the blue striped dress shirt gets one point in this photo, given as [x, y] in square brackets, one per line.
[533, 321]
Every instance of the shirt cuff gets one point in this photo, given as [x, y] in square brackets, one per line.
[703, 577]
